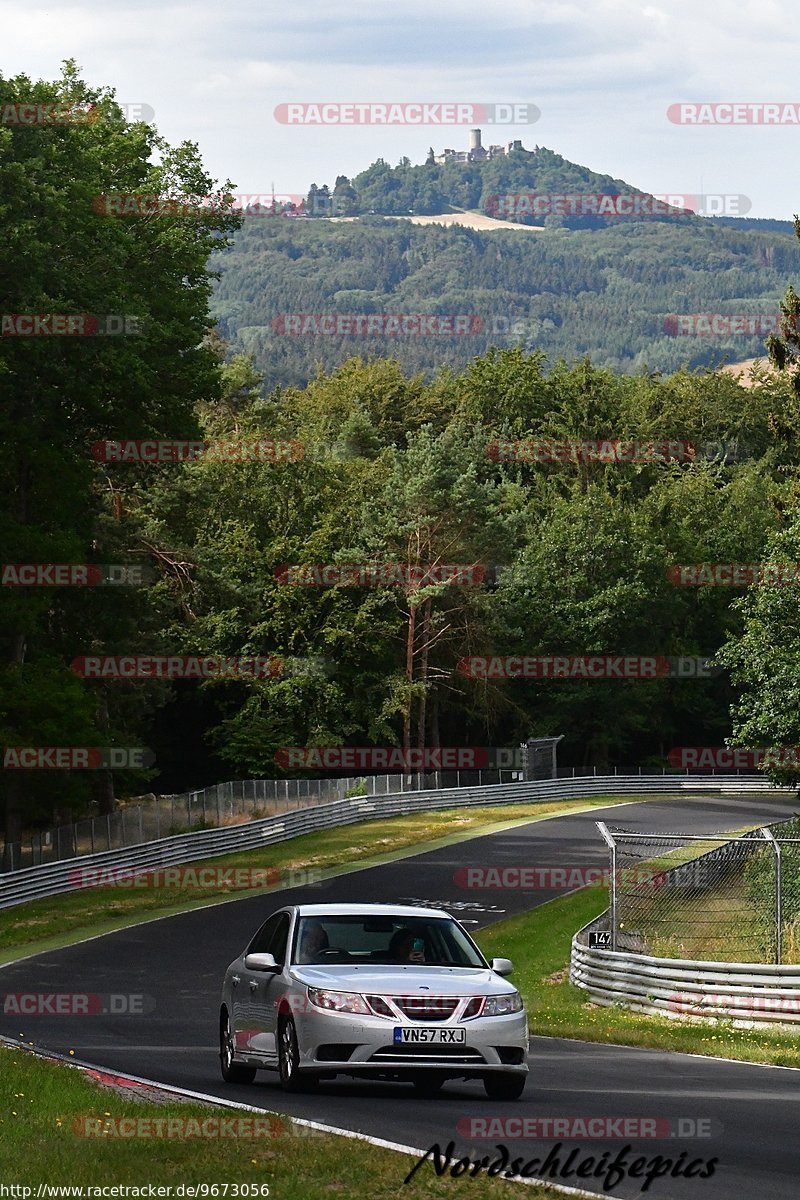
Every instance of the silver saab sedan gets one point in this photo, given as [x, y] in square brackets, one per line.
[372, 991]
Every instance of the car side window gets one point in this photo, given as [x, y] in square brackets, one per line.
[261, 943]
[280, 936]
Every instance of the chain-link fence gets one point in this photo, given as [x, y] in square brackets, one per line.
[706, 897]
[151, 818]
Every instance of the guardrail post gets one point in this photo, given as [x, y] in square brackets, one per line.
[778, 897]
[612, 907]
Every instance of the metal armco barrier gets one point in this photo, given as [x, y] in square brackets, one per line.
[678, 987]
[745, 993]
[51, 879]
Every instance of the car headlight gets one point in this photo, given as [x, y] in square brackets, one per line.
[501, 1006]
[350, 1002]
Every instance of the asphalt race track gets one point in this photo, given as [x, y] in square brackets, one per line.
[753, 1112]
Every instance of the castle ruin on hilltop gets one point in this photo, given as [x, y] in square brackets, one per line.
[478, 152]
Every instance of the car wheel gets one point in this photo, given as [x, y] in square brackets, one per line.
[428, 1084]
[289, 1058]
[504, 1087]
[232, 1072]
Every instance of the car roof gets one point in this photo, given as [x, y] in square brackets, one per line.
[377, 910]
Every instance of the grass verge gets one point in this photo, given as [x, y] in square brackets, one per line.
[40, 1103]
[539, 943]
[61, 920]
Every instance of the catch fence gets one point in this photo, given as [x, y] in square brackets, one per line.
[700, 897]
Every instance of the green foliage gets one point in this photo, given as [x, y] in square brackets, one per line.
[607, 294]
[397, 466]
[58, 395]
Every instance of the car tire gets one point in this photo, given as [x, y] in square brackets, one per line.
[292, 1079]
[232, 1072]
[504, 1087]
[428, 1084]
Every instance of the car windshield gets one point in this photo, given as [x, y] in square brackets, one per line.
[419, 941]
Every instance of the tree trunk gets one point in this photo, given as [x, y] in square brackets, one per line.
[13, 820]
[411, 630]
[13, 784]
[426, 624]
[103, 781]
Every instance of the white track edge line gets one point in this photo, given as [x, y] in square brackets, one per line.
[381, 1143]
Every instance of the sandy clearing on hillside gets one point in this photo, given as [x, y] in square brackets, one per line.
[744, 370]
[470, 220]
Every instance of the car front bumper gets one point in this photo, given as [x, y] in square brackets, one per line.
[344, 1043]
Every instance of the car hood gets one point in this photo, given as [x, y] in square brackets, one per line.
[399, 980]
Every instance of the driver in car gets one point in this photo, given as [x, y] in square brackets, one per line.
[313, 941]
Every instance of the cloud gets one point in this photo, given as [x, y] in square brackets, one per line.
[603, 76]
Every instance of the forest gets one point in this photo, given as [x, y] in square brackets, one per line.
[368, 460]
[614, 295]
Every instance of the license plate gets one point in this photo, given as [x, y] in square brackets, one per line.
[426, 1036]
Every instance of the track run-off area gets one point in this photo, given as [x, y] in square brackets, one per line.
[178, 962]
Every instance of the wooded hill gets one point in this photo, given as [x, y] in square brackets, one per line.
[610, 292]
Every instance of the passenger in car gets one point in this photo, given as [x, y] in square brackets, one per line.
[405, 946]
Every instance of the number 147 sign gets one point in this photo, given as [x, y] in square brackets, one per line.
[600, 939]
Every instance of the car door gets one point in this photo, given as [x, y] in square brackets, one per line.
[273, 986]
[260, 990]
[248, 1024]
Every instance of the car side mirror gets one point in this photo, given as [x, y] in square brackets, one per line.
[260, 962]
[502, 966]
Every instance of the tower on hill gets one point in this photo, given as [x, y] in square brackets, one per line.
[477, 152]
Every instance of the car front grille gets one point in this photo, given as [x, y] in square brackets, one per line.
[417, 1008]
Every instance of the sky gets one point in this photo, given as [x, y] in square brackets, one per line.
[602, 76]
